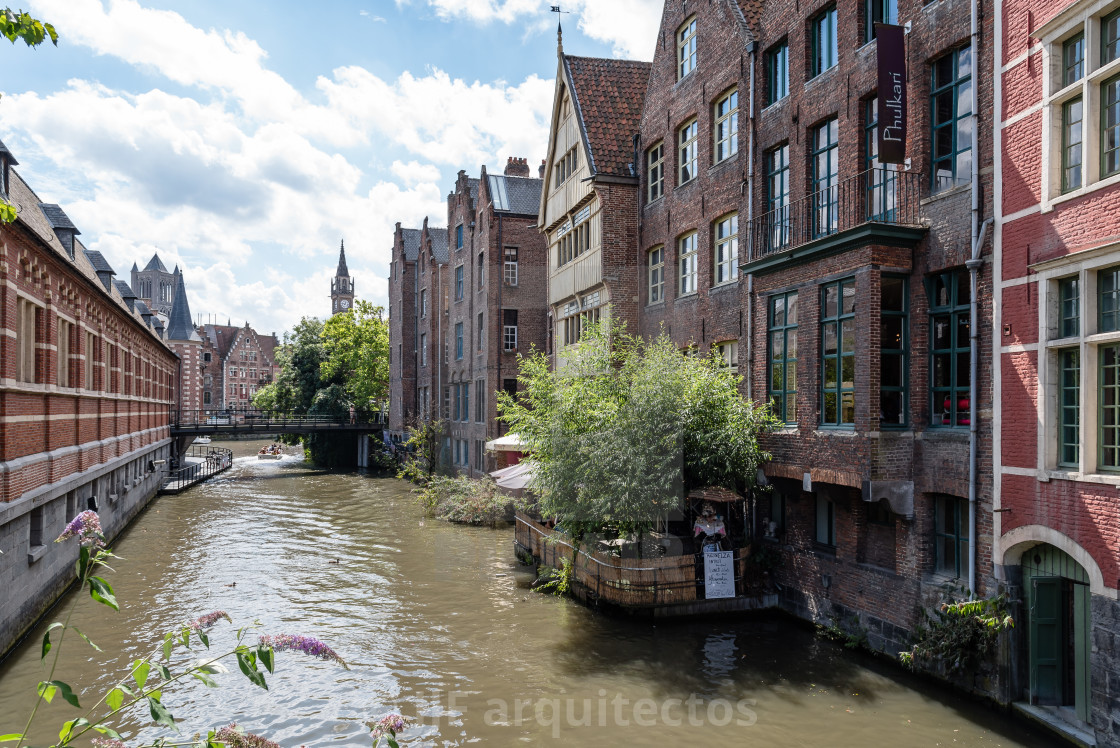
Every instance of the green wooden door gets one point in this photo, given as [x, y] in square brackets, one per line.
[1046, 640]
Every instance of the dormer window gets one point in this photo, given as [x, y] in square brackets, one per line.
[567, 166]
[686, 48]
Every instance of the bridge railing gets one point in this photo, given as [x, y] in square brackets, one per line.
[199, 462]
[255, 418]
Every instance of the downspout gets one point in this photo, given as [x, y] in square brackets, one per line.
[750, 231]
[500, 342]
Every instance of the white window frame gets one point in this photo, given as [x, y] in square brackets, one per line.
[510, 267]
[725, 132]
[687, 264]
[728, 352]
[686, 48]
[656, 274]
[725, 250]
[655, 171]
[688, 156]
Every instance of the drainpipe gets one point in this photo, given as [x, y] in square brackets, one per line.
[750, 231]
[500, 347]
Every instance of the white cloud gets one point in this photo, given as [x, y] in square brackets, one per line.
[414, 172]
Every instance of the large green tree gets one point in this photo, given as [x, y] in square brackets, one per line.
[356, 348]
[624, 427]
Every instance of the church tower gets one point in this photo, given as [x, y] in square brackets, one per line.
[342, 287]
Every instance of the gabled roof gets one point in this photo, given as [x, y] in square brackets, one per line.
[608, 97]
[411, 240]
[98, 261]
[440, 245]
[57, 218]
[751, 11]
[155, 264]
[125, 290]
[519, 195]
[342, 272]
[11, 158]
[179, 324]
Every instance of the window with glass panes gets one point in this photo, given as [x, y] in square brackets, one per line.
[951, 112]
[686, 262]
[459, 283]
[1073, 59]
[459, 236]
[950, 528]
[686, 148]
[825, 521]
[950, 356]
[882, 182]
[838, 353]
[479, 332]
[510, 269]
[726, 249]
[1110, 127]
[1109, 395]
[826, 177]
[894, 350]
[777, 195]
[782, 355]
[509, 329]
[655, 157]
[656, 259]
[686, 48]
[727, 126]
[1110, 37]
[880, 11]
[777, 73]
[1069, 307]
[1071, 144]
[728, 353]
[1108, 299]
[458, 340]
[1069, 413]
[824, 42]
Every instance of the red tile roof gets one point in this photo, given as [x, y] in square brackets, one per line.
[608, 95]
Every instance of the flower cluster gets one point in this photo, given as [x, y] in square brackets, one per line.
[107, 743]
[389, 725]
[234, 737]
[86, 527]
[306, 644]
[208, 620]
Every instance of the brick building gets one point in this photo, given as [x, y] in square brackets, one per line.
[432, 307]
[86, 386]
[1057, 531]
[184, 340]
[236, 362]
[404, 291]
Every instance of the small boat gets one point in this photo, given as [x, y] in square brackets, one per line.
[267, 456]
[202, 440]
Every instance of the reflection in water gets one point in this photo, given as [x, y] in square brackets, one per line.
[437, 622]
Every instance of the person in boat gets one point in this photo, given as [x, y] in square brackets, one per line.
[709, 529]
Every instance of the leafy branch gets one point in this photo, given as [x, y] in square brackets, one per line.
[960, 635]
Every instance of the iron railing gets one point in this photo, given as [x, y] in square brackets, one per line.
[880, 195]
[255, 419]
[198, 463]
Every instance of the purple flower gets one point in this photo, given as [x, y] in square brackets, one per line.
[107, 743]
[86, 527]
[306, 644]
[234, 737]
[208, 620]
[389, 725]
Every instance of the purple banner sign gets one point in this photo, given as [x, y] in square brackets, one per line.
[892, 93]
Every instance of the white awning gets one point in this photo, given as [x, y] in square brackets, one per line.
[514, 477]
[507, 443]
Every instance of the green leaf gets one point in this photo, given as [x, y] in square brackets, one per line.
[85, 638]
[67, 693]
[10, 737]
[83, 562]
[268, 658]
[47, 691]
[185, 637]
[168, 643]
[163, 672]
[205, 679]
[202, 637]
[70, 727]
[140, 670]
[160, 714]
[248, 665]
[115, 699]
[109, 731]
[102, 592]
[47, 639]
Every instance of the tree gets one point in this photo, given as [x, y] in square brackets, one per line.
[15, 26]
[625, 427]
[356, 345]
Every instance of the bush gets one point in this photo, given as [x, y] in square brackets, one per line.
[960, 635]
[469, 501]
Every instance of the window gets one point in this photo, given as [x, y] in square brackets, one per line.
[1110, 127]
[458, 340]
[206, 357]
[655, 159]
[882, 184]
[572, 242]
[481, 331]
[726, 249]
[950, 535]
[567, 166]
[1069, 407]
[775, 523]
[480, 400]
[459, 236]
[951, 105]
[824, 42]
[894, 347]
[1069, 307]
[686, 48]
[458, 403]
[1110, 37]
[509, 386]
[686, 139]
[459, 283]
[728, 353]
[91, 345]
[825, 521]
[686, 260]
[465, 414]
[782, 354]
[656, 262]
[63, 349]
[777, 73]
[35, 529]
[1073, 59]
[509, 329]
[880, 11]
[510, 269]
[727, 126]
[777, 195]
[206, 398]
[1071, 144]
[838, 353]
[949, 348]
[576, 317]
[481, 268]
[26, 331]
[826, 178]
[423, 302]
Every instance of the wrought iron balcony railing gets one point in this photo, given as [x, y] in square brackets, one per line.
[880, 195]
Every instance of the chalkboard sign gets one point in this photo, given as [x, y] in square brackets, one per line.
[719, 574]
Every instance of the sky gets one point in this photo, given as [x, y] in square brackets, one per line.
[244, 140]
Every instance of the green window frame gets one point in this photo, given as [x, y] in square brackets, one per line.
[826, 178]
[950, 352]
[879, 11]
[459, 283]
[1108, 432]
[882, 182]
[825, 45]
[1069, 415]
[1069, 307]
[951, 117]
[1108, 299]
[782, 355]
[1110, 127]
[777, 72]
[1072, 133]
[950, 530]
[1110, 37]
[1073, 59]
[777, 194]
[458, 340]
[894, 351]
[838, 353]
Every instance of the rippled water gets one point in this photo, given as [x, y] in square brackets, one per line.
[436, 622]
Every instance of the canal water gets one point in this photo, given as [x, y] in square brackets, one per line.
[437, 622]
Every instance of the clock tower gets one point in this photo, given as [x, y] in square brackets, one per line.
[342, 287]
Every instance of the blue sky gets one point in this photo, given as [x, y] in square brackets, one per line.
[243, 139]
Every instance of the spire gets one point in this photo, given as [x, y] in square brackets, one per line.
[342, 272]
[179, 325]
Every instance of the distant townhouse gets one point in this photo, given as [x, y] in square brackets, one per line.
[404, 292]
[86, 386]
[1057, 321]
[432, 392]
[236, 362]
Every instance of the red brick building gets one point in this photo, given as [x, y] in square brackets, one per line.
[404, 292]
[432, 308]
[1057, 531]
[86, 387]
[236, 362]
